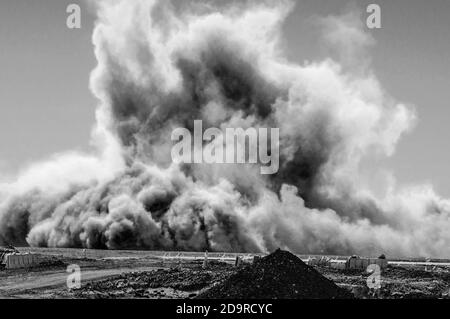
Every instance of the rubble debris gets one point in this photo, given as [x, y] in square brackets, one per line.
[280, 275]
[50, 262]
[396, 283]
[159, 283]
[188, 279]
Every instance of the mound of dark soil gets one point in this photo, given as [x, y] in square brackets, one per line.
[280, 275]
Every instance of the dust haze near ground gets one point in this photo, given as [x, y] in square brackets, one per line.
[161, 67]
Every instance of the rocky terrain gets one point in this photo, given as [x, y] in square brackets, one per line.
[138, 274]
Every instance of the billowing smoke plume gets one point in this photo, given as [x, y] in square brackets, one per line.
[161, 67]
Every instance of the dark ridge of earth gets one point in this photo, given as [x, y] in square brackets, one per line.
[280, 275]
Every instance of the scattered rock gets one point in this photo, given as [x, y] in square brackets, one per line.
[160, 283]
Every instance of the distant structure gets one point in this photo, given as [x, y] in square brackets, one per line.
[353, 262]
[356, 262]
[11, 258]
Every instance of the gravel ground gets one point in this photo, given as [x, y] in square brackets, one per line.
[175, 282]
[396, 283]
[140, 275]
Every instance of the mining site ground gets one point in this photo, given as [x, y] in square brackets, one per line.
[144, 274]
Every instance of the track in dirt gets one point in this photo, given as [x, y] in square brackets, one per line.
[44, 280]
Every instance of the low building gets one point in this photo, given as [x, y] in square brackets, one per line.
[13, 259]
[356, 262]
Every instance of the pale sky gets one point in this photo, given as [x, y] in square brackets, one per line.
[46, 106]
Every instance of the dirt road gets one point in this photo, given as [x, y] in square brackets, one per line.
[19, 285]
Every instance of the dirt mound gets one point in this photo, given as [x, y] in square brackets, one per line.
[280, 275]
